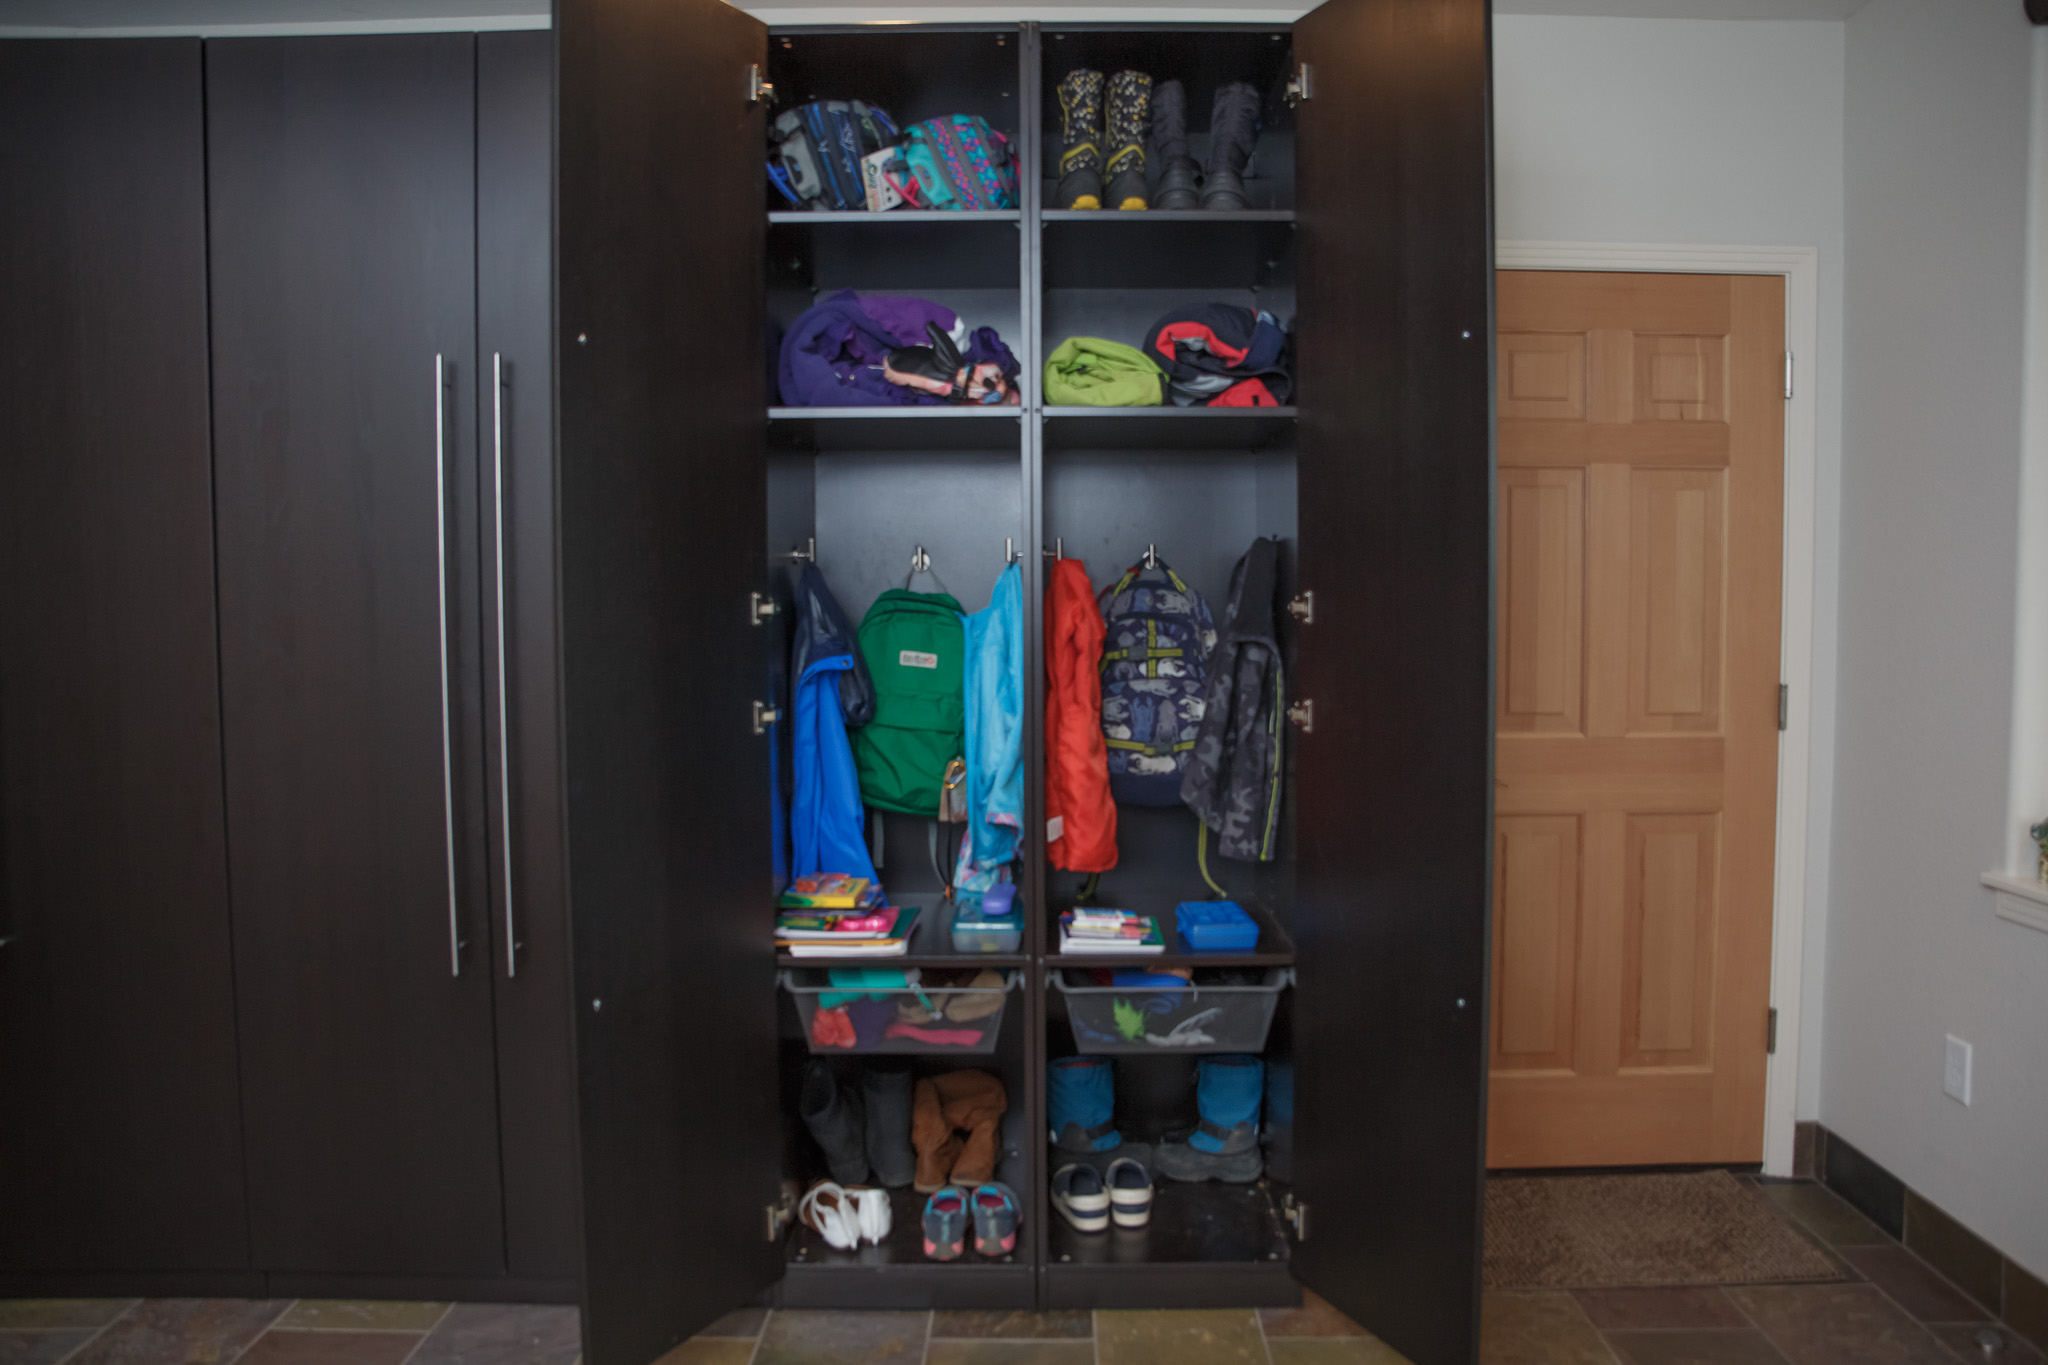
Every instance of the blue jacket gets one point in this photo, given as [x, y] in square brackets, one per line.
[827, 821]
[994, 687]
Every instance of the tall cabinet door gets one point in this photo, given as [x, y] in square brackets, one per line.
[118, 1100]
[342, 213]
[662, 477]
[1393, 182]
[515, 100]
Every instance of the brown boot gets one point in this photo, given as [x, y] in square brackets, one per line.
[973, 1101]
[933, 1138]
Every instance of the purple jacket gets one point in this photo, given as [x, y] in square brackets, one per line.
[832, 355]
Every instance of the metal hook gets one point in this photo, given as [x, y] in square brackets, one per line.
[1058, 550]
[1009, 549]
[1151, 556]
[920, 562]
[807, 552]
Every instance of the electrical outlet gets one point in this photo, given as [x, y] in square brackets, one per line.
[1955, 1075]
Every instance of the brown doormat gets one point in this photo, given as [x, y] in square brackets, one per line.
[1618, 1231]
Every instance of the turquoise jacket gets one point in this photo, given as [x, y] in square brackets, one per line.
[994, 687]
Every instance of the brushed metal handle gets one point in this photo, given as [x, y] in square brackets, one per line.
[504, 721]
[441, 577]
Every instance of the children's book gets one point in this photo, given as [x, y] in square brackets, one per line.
[838, 928]
[825, 891]
[893, 942]
[1110, 931]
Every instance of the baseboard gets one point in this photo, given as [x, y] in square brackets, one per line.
[2007, 1291]
[132, 1284]
[256, 1284]
[461, 1289]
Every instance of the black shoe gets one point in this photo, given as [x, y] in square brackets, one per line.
[1178, 173]
[1080, 95]
[885, 1094]
[1129, 121]
[1233, 131]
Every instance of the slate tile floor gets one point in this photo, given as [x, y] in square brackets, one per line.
[1890, 1309]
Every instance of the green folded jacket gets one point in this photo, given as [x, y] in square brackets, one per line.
[1091, 372]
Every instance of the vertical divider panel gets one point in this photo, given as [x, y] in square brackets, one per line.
[1032, 848]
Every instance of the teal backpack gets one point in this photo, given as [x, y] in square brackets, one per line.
[960, 163]
[914, 646]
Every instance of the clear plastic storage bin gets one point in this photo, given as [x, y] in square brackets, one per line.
[1206, 1016]
[870, 1010]
[977, 932]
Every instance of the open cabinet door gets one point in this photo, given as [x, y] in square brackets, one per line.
[1394, 781]
[660, 234]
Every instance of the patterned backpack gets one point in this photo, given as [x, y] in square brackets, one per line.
[960, 163]
[1154, 659]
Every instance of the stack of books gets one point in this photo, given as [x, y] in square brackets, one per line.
[836, 916]
[1122, 932]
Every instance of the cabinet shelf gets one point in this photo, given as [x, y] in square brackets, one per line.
[922, 428]
[1167, 428]
[931, 945]
[1166, 249]
[1233, 1230]
[895, 216]
[1274, 948]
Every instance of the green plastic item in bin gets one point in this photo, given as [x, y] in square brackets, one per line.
[1092, 373]
[866, 981]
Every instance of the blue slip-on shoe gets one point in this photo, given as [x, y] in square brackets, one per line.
[945, 1224]
[996, 1215]
[1130, 1193]
[1081, 1198]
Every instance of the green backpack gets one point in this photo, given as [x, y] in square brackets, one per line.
[914, 645]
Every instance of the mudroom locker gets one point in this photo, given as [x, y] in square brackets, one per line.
[476, 733]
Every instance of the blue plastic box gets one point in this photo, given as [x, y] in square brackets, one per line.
[976, 932]
[1216, 926]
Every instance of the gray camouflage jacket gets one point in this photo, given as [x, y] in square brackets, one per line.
[1232, 782]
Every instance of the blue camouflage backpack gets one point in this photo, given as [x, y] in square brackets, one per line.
[960, 163]
[1154, 656]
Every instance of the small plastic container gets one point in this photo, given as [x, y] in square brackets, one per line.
[926, 1017]
[1216, 926]
[977, 931]
[1203, 1016]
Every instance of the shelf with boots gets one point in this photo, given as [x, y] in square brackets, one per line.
[1167, 429]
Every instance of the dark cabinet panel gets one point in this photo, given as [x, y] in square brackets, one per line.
[341, 201]
[663, 512]
[1395, 782]
[515, 253]
[118, 1106]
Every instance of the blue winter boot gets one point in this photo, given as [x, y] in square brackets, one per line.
[1225, 1145]
[1080, 1105]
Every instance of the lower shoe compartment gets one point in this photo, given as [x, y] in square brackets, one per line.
[896, 1272]
[1208, 1242]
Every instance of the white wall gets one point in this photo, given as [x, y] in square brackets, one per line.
[1937, 157]
[1708, 133]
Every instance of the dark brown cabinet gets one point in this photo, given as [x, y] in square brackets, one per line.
[119, 1102]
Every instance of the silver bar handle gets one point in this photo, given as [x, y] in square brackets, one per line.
[441, 567]
[504, 720]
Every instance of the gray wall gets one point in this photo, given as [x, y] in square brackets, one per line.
[1938, 103]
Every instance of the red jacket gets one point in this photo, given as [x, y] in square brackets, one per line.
[1077, 802]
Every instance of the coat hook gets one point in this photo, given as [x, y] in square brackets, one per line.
[1151, 556]
[1009, 549]
[1058, 550]
[807, 552]
[920, 562]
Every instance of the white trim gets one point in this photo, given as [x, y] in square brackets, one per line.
[2019, 900]
[1800, 266]
[488, 23]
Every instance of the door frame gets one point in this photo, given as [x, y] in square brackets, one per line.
[1800, 268]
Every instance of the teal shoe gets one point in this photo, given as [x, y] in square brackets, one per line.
[945, 1224]
[996, 1214]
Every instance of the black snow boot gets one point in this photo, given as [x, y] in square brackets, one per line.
[1233, 130]
[1178, 172]
[832, 1113]
[1129, 123]
[885, 1092]
[1080, 95]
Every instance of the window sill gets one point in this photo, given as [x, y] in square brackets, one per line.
[2019, 900]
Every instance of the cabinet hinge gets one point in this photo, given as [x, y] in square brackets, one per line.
[760, 610]
[1303, 715]
[1296, 1214]
[764, 716]
[1303, 607]
[1784, 705]
[781, 1214]
[1771, 1034]
[758, 90]
[1301, 85]
[1788, 374]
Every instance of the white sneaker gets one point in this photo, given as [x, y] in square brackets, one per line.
[1130, 1192]
[829, 1209]
[870, 1212]
[1078, 1193]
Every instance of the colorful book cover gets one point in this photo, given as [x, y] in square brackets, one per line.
[825, 891]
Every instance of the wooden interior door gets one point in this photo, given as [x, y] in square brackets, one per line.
[662, 478]
[1641, 537]
[1392, 799]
